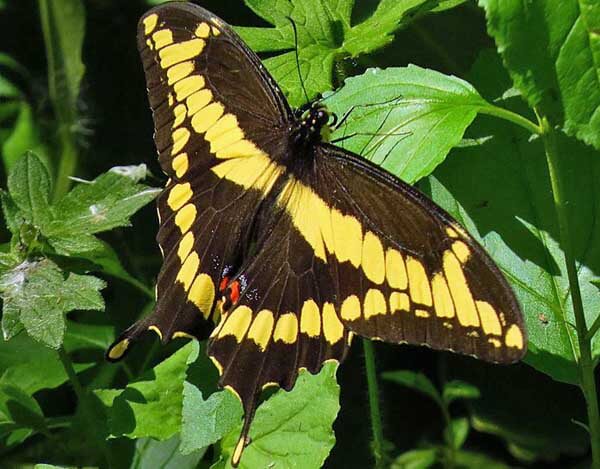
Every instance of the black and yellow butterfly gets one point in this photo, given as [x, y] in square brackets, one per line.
[279, 246]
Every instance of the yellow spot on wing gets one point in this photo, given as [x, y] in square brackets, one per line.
[180, 52]
[347, 237]
[163, 38]
[514, 337]
[179, 195]
[185, 246]
[206, 117]
[461, 250]
[241, 148]
[180, 164]
[373, 262]
[286, 329]
[182, 334]
[421, 313]
[332, 327]
[180, 113]
[237, 323]
[489, 318]
[310, 319]
[495, 342]
[188, 270]
[188, 86]
[215, 30]
[202, 294]
[444, 308]
[118, 349]
[150, 23]
[198, 100]
[256, 172]
[374, 303]
[420, 292]
[156, 330]
[203, 30]
[395, 270]
[180, 138]
[185, 217]
[450, 232]
[218, 366]
[223, 125]
[351, 308]
[179, 71]
[459, 289]
[262, 328]
[399, 302]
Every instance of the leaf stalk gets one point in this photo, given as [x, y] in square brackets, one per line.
[378, 445]
[586, 365]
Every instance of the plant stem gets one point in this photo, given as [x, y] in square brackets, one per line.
[513, 117]
[586, 365]
[373, 390]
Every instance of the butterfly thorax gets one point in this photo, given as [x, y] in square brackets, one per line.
[309, 127]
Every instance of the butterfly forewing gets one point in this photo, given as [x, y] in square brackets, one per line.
[213, 116]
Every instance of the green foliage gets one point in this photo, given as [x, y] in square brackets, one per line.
[552, 52]
[291, 429]
[513, 147]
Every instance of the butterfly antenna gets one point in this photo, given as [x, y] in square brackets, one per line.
[298, 58]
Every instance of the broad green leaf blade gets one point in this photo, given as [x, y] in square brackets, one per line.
[150, 454]
[24, 136]
[63, 24]
[19, 409]
[325, 35]
[457, 389]
[292, 429]
[509, 207]
[415, 381]
[206, 421]
[457, 432]
[207, 415]
[29, 187]
[404, 119]
[88, 336]
[532, 413]
[377, 31]
[31, 366]
[36, 296]
[13, 217]
[76, 245]
[416, 459]
[552, 51]
[150, 407]
[105, 203]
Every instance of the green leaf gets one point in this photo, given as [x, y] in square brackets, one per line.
[416, 459]
[12, 215]
[472, 459]
[150, 454]
[85, 336]
[18, 410]
[416, 381]
[444, 5]
[530, 411]
[552, 51]
[24, 136]
[325, 36]
[29, 188]
[36, 296]
[511, 211]
[292, 429]
[457, 432]
[150, 407]
[206, 421]
[418, 115]
[103, 204]
[63, 24]
[31, 366]
[459, 390]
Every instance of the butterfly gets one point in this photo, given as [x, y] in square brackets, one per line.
[280, 247]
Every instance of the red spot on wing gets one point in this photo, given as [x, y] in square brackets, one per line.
[223, 284]
[235, 292]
